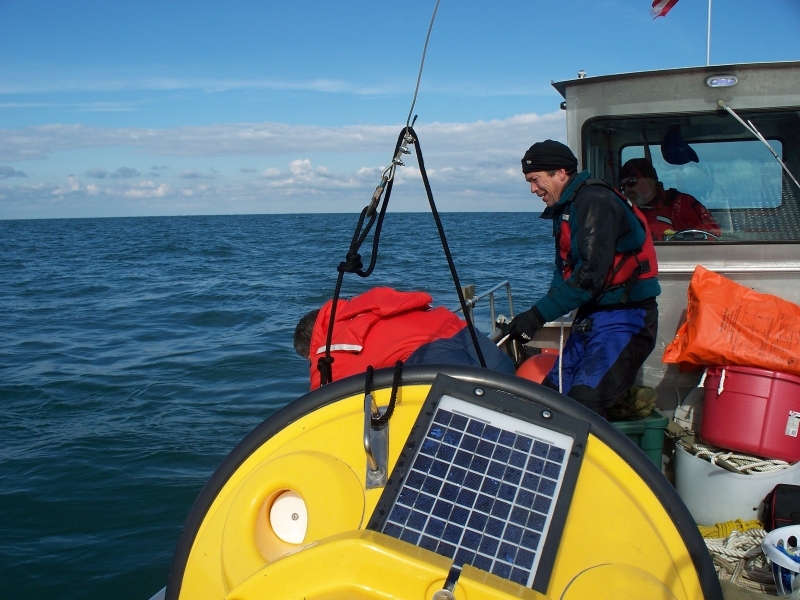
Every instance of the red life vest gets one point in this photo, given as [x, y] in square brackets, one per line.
[675, 211]
[378, 328]
[629, 265]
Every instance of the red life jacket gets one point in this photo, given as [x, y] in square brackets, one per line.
[629, 265]
[378, 328]
[675, 211]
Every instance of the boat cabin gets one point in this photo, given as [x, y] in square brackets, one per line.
[613, 118]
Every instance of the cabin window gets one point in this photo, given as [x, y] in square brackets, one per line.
[735, 176]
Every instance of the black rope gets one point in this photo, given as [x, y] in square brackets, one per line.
[353, 264]
[445, 246]
[396, 383]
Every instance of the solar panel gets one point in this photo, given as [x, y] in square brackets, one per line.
[481, 488]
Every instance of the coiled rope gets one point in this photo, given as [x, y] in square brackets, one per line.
[739, 559]
[738, 463]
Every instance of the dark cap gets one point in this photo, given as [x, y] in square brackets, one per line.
[549, 155]
[638, 167]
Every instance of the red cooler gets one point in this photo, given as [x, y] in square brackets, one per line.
[756, 412]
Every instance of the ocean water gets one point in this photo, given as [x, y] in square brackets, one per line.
[135, 353]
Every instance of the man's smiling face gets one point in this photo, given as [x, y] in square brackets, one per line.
[547, 187]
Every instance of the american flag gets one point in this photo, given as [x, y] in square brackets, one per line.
[662, 7]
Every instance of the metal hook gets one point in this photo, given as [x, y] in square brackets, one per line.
[376, 445]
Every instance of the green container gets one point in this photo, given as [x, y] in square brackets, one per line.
[647, 433]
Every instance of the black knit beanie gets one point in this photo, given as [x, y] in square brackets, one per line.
[638, 167]
[549, 155]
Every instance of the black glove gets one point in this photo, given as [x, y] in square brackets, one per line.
[525, 325]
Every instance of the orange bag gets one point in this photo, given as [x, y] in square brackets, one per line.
[730, 324]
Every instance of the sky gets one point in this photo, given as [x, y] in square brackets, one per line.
[241, 107]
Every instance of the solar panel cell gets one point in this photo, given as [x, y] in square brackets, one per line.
[524, 559]
[464, 556]
[442, 417]
[512, 475]
[432, 485]
[424, 503]
[428, 543]
[409, 536]
[519, 576]
[437, 432]
[489, 546]
[452, 533]
[507, 492]
[442, 509]
[485, 448]
[551, 469]
[519, 515]
[435, 527]
[452, 437]
[446, 452]
[535, 465]
[459, 515]
[495, 527]
[429, 447]
[540, 449]
[449, 492]
[491, 433]
[479, 464]
[463, 458]
[507, 552]
[501, 454]
[439, 468]
[518, 459]
[458, 422]
[547, 486]
[473, 480]
[456, 475]
[523, 443]
[400, 514]
[542, 503]
[530, 539]
[501, 569]
[416, 520]
[536, 522]
[446, 549]
[475, 427]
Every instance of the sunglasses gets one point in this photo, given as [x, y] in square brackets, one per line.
[628, 183]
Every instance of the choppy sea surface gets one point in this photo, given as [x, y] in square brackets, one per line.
[135, 353]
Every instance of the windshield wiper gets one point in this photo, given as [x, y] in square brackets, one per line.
[752, 129]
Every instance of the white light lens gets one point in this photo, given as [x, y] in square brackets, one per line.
[716, 81]
[289, 517]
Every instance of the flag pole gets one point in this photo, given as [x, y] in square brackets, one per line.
[708, 37]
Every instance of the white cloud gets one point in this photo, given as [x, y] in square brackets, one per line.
[275, 139]
[472, 166]
[271, 172]
[146, 189]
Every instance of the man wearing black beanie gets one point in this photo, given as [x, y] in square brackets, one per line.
[605, 266]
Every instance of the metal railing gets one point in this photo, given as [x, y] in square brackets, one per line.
[472, 300]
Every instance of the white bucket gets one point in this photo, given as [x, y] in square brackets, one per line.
[784, 568]
[714, 495]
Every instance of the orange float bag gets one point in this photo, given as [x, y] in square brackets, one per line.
[730, 324]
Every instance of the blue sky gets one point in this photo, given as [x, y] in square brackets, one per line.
[153, 108]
